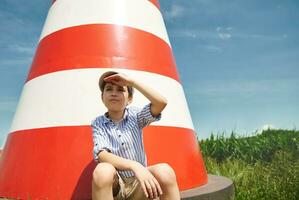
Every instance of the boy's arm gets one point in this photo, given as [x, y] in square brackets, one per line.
[117, 161]
[148, 182]
[158, 102]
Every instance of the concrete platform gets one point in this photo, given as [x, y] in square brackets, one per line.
[217, 188]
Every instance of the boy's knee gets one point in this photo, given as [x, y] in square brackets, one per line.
[165, 174]
[103, 175]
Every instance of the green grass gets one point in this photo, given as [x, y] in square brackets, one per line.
[265, 166]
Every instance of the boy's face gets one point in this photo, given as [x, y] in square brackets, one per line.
[115, 97]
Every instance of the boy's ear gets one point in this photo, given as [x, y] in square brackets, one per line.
[130, 99]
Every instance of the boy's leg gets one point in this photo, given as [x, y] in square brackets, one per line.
[104, 179]
[167, 180]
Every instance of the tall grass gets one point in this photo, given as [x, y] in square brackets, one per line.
[265, 166]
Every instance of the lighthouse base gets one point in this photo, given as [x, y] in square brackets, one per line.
[217, 188]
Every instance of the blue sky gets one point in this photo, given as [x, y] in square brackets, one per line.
[238, 60]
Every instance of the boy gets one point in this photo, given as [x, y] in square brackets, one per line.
[122, 173]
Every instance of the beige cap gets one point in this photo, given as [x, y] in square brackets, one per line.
[101, 80]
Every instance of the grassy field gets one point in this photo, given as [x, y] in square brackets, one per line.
[262, 167]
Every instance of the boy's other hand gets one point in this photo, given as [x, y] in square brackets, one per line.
[148, 182]
[119, 79]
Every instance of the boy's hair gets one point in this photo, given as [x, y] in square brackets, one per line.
[102, 83]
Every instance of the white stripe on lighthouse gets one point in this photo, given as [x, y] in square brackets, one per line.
[139, 14]
[72, 98]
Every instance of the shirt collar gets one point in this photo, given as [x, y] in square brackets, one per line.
[107, 119]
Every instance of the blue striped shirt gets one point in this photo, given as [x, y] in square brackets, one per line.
[125, 138]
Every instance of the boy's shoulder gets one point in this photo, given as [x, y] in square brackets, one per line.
[98, 120]
[133, 109]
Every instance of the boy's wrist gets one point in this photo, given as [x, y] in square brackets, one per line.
[132, 82]
[133, 165]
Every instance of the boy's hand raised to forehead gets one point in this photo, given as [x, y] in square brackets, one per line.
[119, 79]
[158, 102]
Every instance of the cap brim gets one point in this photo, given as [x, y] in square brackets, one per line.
[106, 74]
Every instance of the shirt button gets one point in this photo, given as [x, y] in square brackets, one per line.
[122, 144]
[119, 135]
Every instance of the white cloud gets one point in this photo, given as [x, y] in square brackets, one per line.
[192, 33]
[4, 63]
[266, 127]
[183, 33]
[175, 11]
[246, 87]
[260, 36]
[212, 48]
[22, 49]
[218, 29]
[224, 36]
[224, 33]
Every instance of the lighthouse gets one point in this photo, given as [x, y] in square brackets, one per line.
[48, 152]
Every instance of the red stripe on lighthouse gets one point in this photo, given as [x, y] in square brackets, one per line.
[179, 147]
[156, 3]
[48, 163]
[57, 163]
[95, 46]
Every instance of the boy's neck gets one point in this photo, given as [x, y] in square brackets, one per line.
[116, 116]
